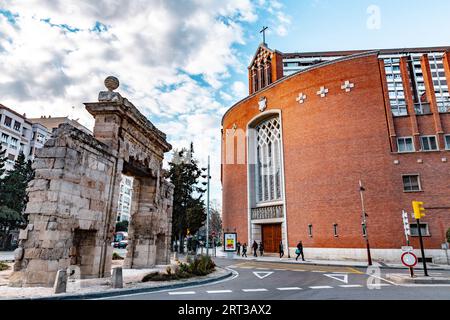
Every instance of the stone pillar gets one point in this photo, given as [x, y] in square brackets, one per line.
[117, 278]
[60, 282]
[142, 247]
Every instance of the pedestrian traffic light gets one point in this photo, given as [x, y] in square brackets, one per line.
[419, 210]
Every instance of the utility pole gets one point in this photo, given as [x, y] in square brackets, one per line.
[364, 222]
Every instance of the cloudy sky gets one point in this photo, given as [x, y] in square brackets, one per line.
[183, 62]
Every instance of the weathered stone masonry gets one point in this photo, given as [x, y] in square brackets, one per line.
[74, 196]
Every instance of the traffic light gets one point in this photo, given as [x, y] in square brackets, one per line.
[419, 210]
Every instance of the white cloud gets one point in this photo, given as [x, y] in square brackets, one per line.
[172, 60]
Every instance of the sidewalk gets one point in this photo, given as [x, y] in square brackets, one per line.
[342, 263]
[7, 256]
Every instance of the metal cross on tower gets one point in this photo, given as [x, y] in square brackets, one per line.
[263, 31]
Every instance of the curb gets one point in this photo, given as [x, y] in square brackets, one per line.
[119, 292]
[380, 265]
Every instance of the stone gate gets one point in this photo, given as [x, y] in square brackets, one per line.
[75, 194]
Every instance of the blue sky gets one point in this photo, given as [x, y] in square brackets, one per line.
[183, 65]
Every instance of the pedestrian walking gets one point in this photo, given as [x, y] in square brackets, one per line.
[299, 251]
[255, 248]
[261, 249]
[281, 249]
[244, 250]
[238, 248]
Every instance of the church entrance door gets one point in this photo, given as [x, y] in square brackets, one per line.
[271, 237]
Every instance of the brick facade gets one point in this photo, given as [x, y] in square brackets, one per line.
[332, 142]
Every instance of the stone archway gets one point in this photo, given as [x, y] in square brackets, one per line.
[74, 196]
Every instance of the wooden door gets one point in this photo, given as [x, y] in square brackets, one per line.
[271, 235]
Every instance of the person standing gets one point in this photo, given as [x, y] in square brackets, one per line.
[281, 249]
[255, 248]
[244, 250]
[299, 251]
[238, 248]
[261, 249]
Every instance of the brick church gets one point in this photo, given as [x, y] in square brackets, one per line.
[316, 124]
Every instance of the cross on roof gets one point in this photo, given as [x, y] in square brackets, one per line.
[263, 31]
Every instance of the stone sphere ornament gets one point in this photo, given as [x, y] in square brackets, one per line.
[111, 83]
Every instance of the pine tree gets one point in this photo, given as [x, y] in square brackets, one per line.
[188, 205]
[2, 162]
[14, 185]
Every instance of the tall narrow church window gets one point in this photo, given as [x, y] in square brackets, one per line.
[268, 169]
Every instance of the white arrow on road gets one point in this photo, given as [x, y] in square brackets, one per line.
[262, 275]
[339, 277]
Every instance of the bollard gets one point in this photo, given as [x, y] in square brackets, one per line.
[60, 282]
[175, 256]
[117, 278]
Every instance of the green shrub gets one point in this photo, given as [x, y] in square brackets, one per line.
[201, 266]
[116, 256]
[3, 266]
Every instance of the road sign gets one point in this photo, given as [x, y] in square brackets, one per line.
[406, 224]
[339, 277]
[409, 259]
[262, 275]
[407, 249]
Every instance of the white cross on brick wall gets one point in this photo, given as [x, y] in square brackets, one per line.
[322, 92]
[301, 98]
[347, 86]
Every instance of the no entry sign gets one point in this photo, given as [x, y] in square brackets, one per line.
[409, 259]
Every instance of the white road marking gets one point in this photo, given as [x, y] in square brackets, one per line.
[254, 290]
[261, 275]
[289, 289]
[181, 293]
[339, 277]
[219, 291]
[351, 286]
[321, 287]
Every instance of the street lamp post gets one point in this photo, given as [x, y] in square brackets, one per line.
[364, 222]
[208, 177]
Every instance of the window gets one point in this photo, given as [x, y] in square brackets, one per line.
[411, 183]
[335, 230]
[429, 143]
[421, 104]
[439, 81]
[405, 144]
[17, 126]
[11, 157]
[447, 142]
[5, 138]
[8, 121]
[310, 230]
[423, 229]
[395, 86]
[13, 143]
[268, 167]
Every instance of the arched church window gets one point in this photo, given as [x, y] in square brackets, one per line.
[268, 168]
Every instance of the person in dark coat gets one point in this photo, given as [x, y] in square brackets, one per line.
[299, 251]
[255, 248]
[238, 248]
[261, 249]
[281, 249]
[244, 250]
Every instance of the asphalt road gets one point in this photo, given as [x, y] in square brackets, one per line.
[279, 281]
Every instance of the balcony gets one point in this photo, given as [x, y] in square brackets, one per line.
[270, 212]
[422, 108]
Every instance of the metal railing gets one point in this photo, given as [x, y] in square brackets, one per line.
[270, 212]
[422, 108]
[443, 106]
